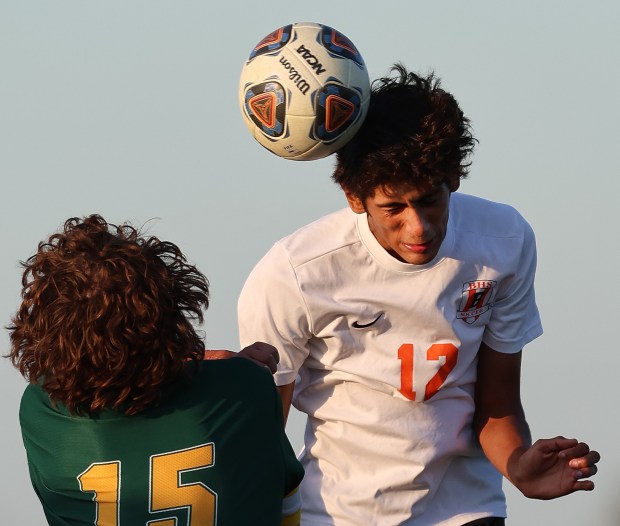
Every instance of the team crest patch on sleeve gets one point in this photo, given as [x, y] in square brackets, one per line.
[476, 299]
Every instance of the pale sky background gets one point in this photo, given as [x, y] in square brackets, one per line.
[129, 109]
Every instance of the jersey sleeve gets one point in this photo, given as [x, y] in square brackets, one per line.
[271, 309]
[515, 320]
[291, 509]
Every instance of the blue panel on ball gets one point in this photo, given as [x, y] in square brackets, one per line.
[273, 42]
[338, 44]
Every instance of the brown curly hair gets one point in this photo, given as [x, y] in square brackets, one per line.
[106, 319]
[414, 134]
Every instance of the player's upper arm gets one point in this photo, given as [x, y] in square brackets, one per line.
[286, 394]
[498, 386]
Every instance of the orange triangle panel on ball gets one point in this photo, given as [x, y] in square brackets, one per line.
[264, 108]
[338, 112]
[272, 38]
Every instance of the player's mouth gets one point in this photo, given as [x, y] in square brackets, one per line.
[419, 248]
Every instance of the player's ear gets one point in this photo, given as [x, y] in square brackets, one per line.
[453, 183]
[355, 203]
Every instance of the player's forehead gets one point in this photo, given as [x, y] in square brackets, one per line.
[405, 192]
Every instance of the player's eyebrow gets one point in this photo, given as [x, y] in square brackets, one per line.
[390, 204]
[393, 201]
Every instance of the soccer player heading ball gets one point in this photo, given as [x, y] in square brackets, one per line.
[124, 423]
[400, 323]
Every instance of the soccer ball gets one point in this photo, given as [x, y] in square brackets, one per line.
[304, 91]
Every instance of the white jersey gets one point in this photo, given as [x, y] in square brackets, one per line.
[384, 355]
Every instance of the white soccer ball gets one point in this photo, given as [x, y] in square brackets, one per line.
[304, 91]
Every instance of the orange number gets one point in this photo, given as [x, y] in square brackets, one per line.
[435, 352]
[405, 355]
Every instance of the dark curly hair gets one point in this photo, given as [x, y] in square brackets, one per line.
[414, 133]
[106, 319]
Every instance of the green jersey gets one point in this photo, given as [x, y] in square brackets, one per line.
[213, 453]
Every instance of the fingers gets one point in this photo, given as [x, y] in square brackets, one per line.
[558, 444]
[271, 362]
[583, 485]
[268, 350]
[581, 460]
[584, 468]
[583, 463]
[580, 456]
[570, 449]
[263, 354]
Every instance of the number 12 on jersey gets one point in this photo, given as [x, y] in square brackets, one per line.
[434, 352]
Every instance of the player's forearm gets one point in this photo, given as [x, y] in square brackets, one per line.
[503, 441]
[499, 419]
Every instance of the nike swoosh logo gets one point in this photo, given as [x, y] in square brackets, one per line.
[359, 325]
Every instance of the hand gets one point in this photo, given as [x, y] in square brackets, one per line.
[260, 353]
[263, 354]
[553, 467]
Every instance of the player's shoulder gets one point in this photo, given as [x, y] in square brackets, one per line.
[323, 236]
[473, 214]
[234, 376]
[32, 396]
[34, 399]
[236, 367]
[38, 411]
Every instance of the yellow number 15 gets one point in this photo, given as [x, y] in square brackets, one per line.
[166, 491]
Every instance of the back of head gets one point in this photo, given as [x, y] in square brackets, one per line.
[414, 133]
[106, 316]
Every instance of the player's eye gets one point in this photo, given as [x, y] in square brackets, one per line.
[393, 210]
[430, 200]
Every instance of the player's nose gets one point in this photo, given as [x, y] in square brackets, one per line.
[415, 224]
